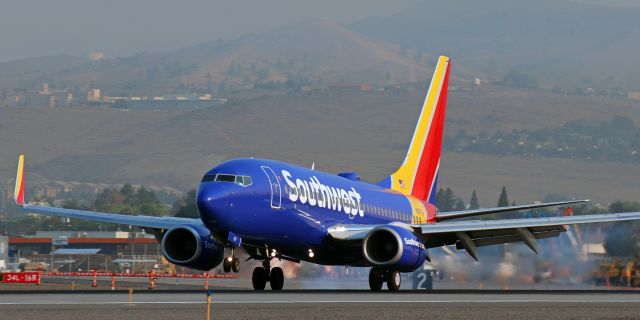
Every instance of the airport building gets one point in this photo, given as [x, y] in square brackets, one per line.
[84, 250]
[106, 242]
[170, 101]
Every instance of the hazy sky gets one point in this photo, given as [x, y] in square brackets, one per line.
[30, 28]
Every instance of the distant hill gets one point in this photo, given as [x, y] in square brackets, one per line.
[560, 41]
[339, 130]
[317, 52]
[322, 51]
[32, 72]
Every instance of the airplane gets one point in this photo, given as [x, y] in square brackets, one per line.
[276, 210]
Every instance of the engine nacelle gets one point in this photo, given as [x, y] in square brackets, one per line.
[191, 246]
[394, 247]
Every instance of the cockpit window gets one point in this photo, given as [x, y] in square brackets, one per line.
[244, 181]
[225, 178]
[209, 178]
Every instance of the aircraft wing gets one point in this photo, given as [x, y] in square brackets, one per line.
[139, 220]
[476, 212]
[471, 234]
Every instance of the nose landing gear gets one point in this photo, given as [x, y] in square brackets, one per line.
[264, 274]
[231, 262]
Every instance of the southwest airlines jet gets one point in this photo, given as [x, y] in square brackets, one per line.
[276, 210]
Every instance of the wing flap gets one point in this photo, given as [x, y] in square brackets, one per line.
[489, 241]
[512, 231]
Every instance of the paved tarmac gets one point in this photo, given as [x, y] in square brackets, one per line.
[329, 304]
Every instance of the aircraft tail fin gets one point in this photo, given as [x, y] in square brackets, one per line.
[418, 174]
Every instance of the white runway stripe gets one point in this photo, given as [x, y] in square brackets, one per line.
[460, 302]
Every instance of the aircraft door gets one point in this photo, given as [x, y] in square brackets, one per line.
[276, 192]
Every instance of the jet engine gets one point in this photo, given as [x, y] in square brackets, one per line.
[191, 246]
[394, 247]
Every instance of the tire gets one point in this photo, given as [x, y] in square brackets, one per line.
[394, 279]
[235, 265]
[259, 278]
[375, 280]
[276, 278]
[226, 265]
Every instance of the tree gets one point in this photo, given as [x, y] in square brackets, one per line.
[503, 201]
[73, 203]
[624, 206]
[185, 207]
[459, 205]
[445, 199]
[473, 203]
[128, 192]
[127, 200]
[109, 200]
[152, 209]
[146, 196]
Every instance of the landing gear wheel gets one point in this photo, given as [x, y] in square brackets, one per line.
[276, 279]
[259, 278]
[226, 264]
[393, 280]
[235, 264]
[375, 279]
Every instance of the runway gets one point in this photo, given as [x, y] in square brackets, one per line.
[332, 304]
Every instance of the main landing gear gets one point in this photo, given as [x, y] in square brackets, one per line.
[231, 262]
[264, 274]
[377, 277]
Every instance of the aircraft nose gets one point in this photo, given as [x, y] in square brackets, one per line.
[211, 202]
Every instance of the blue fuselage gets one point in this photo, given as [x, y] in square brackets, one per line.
[276, 205]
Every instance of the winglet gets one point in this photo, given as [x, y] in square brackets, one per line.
[18, 194]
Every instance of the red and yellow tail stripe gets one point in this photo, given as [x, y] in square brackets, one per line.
[18, 193]
[418, 174]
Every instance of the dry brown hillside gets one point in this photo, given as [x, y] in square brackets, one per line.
[338, 130]
[316, 52]
[320, 50]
